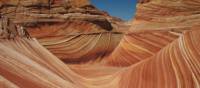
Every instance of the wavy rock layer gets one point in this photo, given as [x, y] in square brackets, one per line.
[166, 15]
[176, 65]
[156, 24]
[27, 64]
[136, 47]
[161, 50]
[4, 83]
[72, 44]
[159, 9]
[73, 30]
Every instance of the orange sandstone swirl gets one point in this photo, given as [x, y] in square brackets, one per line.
[175, 66]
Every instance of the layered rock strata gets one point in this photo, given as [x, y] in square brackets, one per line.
[73, 30]
[157, 23]
[154, 58]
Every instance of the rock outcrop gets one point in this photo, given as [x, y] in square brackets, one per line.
[166, 15]
[176, 65]
[77, 3]
[83, 31]
[30, 12]
[157, 23]
[8, 30]
[159, 51]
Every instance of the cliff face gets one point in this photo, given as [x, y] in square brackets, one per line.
[71, 3]
[29, 12]
[77, 3]
[74, 24]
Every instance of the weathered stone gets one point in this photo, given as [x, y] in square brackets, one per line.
[32, 11]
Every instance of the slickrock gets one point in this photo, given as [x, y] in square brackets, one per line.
[72, 44]
[73, 30]
[150, 55]
[137, 47]
[26, 63]
[175, 66]
[4, 83]
[166, 15]
[157, 23]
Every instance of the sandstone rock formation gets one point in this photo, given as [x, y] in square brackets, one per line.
[158, 51]
[75, 44]
[73, 30]
[30, 12]
[157, 23]
[167, 15]
[176, 65]
[77, 3]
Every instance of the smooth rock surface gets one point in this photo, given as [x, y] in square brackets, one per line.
[160, 50]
